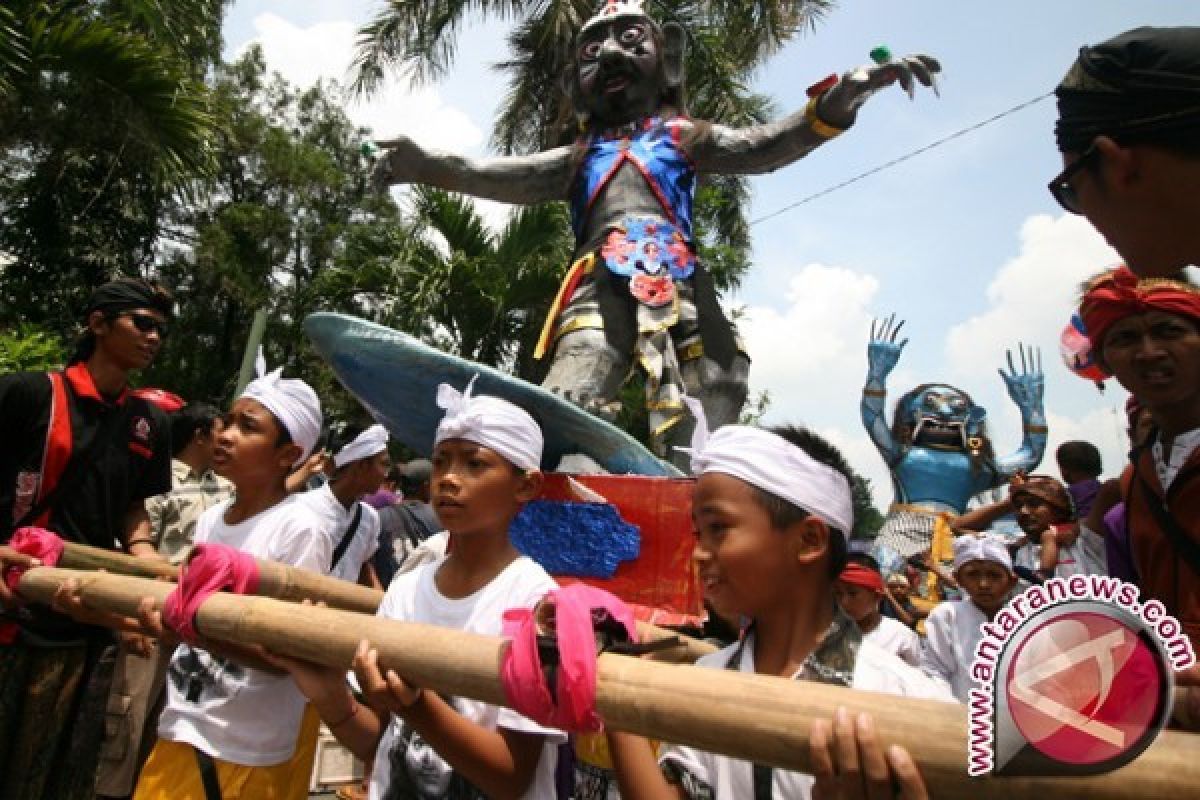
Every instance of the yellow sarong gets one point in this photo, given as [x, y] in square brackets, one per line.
[171, 772]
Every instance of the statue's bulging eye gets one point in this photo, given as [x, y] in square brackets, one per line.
[632, 35]
[590, 51]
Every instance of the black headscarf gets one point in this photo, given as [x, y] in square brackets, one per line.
[125, 294]
[1140, 86]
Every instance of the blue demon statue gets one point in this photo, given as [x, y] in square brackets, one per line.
[937, 447]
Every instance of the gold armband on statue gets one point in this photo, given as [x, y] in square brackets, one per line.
[817, 125]
[1037, 429]
[874, 392]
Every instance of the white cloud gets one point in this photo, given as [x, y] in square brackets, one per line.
[325, 49]
[1032, 295]
[810, 354]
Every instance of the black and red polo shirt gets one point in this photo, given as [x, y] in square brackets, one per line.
[45, 419]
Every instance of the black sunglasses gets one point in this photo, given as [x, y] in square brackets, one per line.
[146, 323]
[1061, 187]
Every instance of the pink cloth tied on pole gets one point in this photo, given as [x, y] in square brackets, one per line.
[521, 670]
[210, 569]
[44, 545]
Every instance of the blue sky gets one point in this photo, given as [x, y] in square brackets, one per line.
[964, 242]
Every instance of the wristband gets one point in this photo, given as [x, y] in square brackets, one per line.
[817, 125]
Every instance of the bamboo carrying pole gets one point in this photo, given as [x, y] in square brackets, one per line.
[752, 717]
[274, 579]
[283, 582]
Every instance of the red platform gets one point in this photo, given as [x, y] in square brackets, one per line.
[662, 579]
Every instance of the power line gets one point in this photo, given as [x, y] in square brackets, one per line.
[888, 165]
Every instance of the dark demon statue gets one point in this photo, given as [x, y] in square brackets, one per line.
[636, 294]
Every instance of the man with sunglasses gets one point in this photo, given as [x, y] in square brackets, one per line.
[79, 454]
[1129, 132]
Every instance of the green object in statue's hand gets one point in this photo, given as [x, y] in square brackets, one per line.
[881, 55]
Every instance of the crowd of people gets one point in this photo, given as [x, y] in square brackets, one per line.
[169, 713]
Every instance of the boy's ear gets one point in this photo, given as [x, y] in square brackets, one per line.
[530, 486]
[811, 537]
[288, 454]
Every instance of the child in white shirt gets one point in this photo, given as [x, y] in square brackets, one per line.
[485, 467]
[771, 511]
[983, 568]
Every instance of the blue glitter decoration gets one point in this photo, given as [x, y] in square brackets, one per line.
[581, 540]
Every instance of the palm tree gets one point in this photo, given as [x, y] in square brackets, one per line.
[728, 41]
[480, 294]
[148, 56]
[104, 120]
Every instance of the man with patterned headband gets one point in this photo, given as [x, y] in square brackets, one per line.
[636, 294]
[1146, 333]
[1129, 132]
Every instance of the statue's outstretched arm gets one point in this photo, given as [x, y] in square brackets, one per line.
[883, 351]
[765, 148]
[538, 178]
[1026, 388]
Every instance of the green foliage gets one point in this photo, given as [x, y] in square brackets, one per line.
[103, 117]
[481, 295]
[756, 406]
[28, 348]
[867, 518]
[287, 223]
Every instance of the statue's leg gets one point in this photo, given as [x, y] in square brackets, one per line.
[588, 371]
[721, 390]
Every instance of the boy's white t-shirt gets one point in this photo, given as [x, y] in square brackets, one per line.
[405, 765]
[728, 778]
[235, 713]
[952, 632]
[336, 519]
[894, 637]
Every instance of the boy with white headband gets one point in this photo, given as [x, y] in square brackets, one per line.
[353, 526]
[486, 459]
[228, 721]
[772, 510]
[983, 568]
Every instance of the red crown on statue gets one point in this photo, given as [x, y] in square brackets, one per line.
[612, 9]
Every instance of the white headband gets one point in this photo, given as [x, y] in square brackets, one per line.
[494, 423]
[773, 464]
[372, 441]
[292, 401]
[969, 547]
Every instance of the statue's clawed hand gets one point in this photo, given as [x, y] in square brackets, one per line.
[883, 351]
[839, 106]
[1027, 386]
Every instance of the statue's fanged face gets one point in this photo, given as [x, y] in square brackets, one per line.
[620, 70]
[940, 417]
